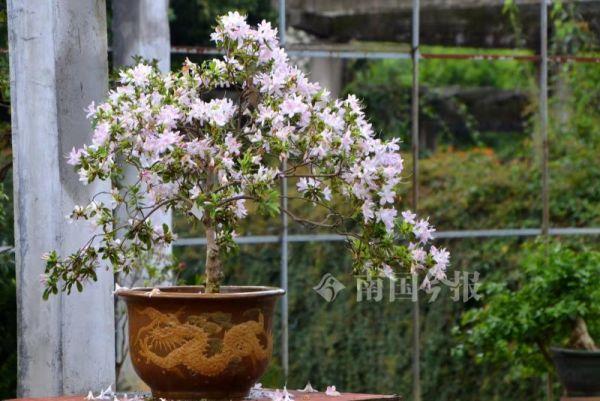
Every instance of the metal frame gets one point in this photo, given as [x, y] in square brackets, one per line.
[284, 238]
[398, 55]
[284, 234]
[414, 115]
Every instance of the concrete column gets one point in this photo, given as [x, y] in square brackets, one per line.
[327, 72]
[139, 28]
[58, 65]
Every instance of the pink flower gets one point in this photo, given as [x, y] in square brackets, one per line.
[441, 257]
[163, 142]
[232, 145]
[168, 116]
[326, 193]
[278, 395]
[235, 26]
[74, 157]
[140, 74]
[418, 254]
[388, 272]
[221, 111]
[367, 211]
[265, 33]
[305, 184]
[195, 192]
[346, 141]
[293, 105]
[387, 216]
[386, 195]
[101, 134]
[265, 114]
[423, 231]
[409, 216]
[240, 209]
[91, 110]
[332, 392]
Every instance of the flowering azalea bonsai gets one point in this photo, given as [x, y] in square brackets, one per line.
[212, 138]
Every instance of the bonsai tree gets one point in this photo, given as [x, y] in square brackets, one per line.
[554, 303]
[211, 138]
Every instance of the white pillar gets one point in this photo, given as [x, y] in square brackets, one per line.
[139, 28]
[328, 72]
[58, 65]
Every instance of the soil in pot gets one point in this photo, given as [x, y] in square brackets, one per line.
[189, 345]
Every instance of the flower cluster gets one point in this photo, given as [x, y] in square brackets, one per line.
[208, 138]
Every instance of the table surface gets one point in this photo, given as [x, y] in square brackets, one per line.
[298, 396]
[580, 399]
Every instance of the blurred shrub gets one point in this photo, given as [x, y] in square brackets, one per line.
[522, 318]
[192, 21]
[446, 86]
[8, 326]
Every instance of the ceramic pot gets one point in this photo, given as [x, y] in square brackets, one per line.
[578, 371]
[189, 345]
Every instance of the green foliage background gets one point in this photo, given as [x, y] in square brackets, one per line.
[525, 316]
[483, 180]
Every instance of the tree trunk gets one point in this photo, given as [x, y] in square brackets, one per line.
[580, 337]
[213, 272]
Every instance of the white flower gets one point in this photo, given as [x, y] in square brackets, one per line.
[367, 211]
[386, 195]
[387, 216]
[235, 25]
[106, 394]
[441, 257]
[293, 105]
[388, 272]
[308, 389]
[197, 212]
[119, 288]
[240, 209]
[140, 74]
[83, 176]
[195, 192]
[90, 110]
[332, 392]
[423, 231]
[74, 157]
[304, 184]
[257, 392]
[326, 193]
[281, 395]
[409, 216]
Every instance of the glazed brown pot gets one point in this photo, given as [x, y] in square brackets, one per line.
[189, 345]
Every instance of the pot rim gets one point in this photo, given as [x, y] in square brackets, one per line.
[234, 292]
[573, 351]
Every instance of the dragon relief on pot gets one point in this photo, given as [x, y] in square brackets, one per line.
[205, 344]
